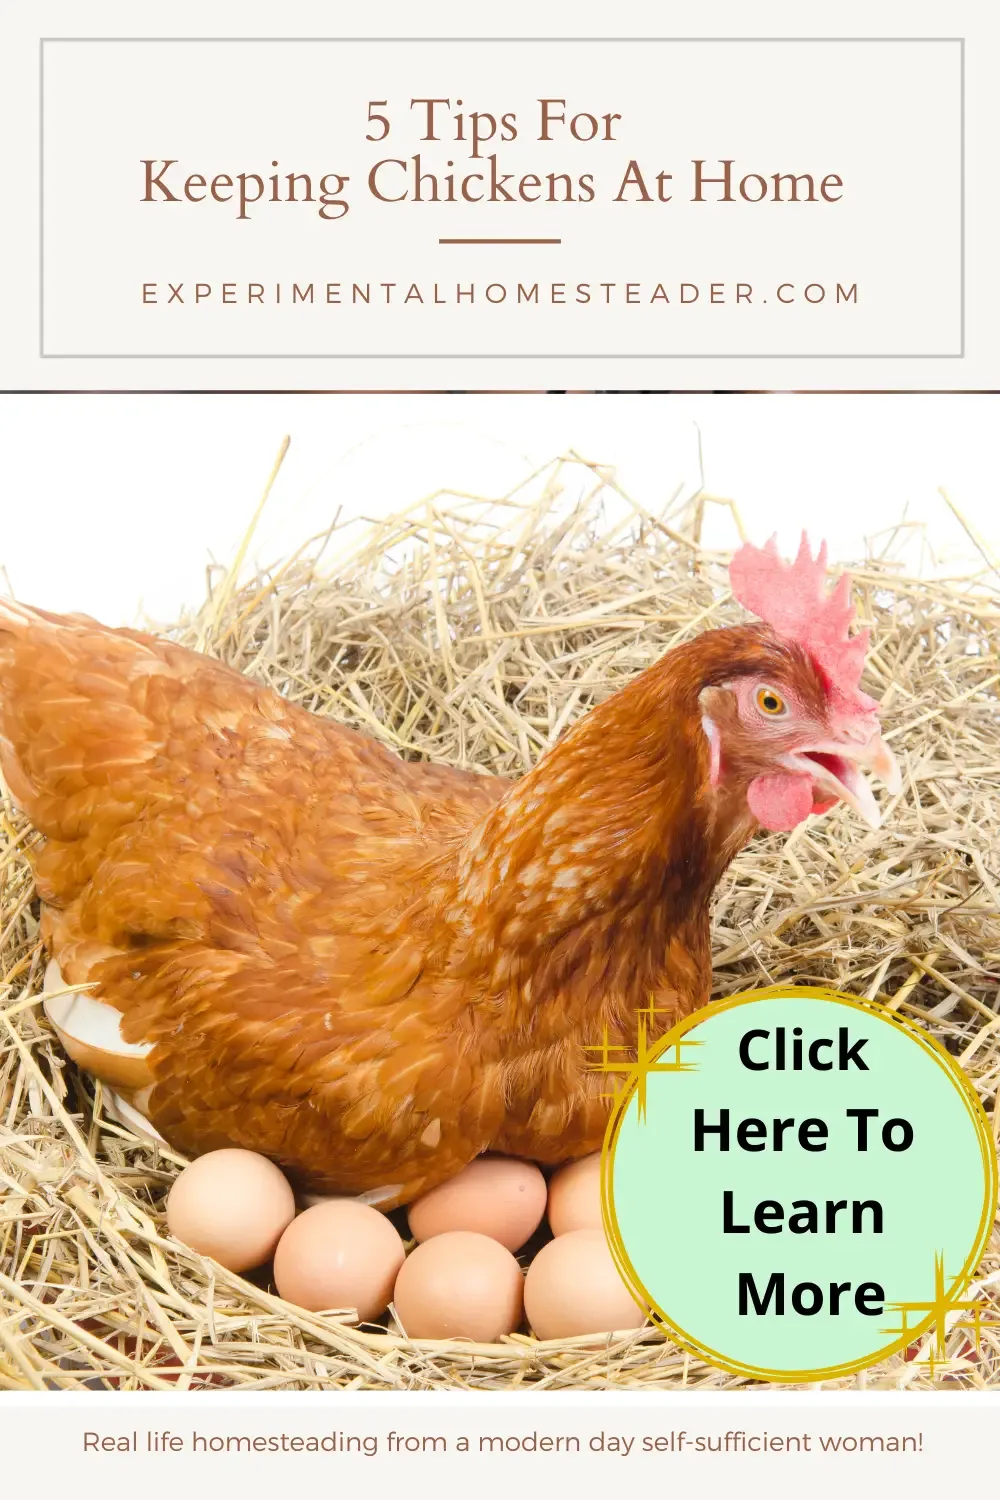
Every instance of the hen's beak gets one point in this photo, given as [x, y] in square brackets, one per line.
[837, 769]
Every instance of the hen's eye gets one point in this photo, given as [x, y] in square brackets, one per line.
[770, 702]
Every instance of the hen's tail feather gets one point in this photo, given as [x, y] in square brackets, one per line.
[14, 614]
[84, 710]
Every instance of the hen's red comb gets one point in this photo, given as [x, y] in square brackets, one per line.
[792, 598]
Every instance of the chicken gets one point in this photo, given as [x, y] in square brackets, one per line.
[371, 970]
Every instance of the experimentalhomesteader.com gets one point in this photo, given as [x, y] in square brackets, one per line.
[403, 293]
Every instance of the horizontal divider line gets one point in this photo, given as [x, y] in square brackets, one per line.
[498, 242]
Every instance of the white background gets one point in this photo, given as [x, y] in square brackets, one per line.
[113, 504]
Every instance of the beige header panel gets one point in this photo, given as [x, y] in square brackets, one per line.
[493, 199]
[437, 197]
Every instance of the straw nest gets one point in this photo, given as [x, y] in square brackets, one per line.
[473, 631]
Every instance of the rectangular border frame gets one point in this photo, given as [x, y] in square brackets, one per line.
[604, 41]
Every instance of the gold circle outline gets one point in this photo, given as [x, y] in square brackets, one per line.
[952, 1071]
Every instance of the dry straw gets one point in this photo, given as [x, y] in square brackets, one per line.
[474, 631]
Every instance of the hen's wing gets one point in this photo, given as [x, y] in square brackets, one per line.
[253, 888]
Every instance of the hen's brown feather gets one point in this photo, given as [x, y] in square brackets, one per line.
[369, 970]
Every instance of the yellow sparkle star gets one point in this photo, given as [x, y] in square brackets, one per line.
[645, 1060]
[940, 1307]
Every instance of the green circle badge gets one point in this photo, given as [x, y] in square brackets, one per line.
[798, 1183]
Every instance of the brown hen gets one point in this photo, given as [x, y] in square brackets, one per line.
[371, 970]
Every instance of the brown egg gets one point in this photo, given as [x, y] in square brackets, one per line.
[459, 1286]
[573, 1288]
[339, 1255]
[232, 1205]
[575, 1196]
[494, 1195]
